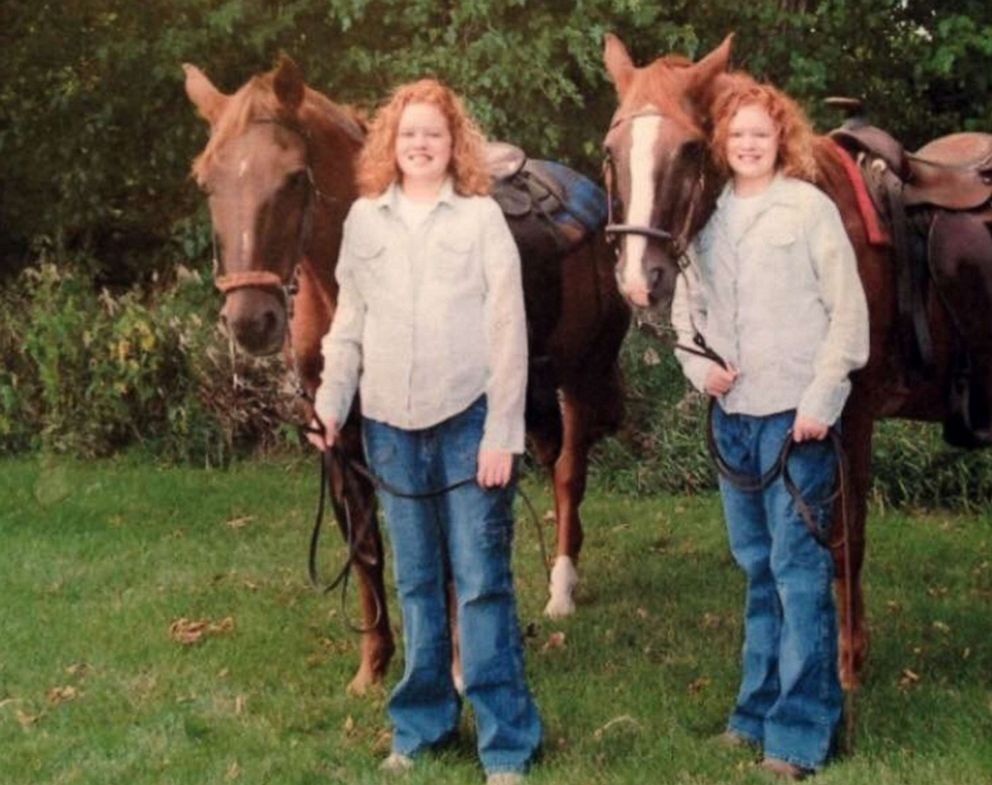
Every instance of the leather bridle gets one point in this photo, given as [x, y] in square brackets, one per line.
[614, 230]
[267, 279]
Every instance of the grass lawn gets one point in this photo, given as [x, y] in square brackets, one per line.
[99, 560]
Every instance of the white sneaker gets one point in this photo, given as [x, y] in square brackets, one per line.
[505, 778]
[396, 763]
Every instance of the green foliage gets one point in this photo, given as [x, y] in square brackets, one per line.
[96, 134]
[661, 446]
[89, 373]
[20, 412]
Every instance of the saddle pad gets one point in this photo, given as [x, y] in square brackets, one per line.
[583, 199]
[876, 234]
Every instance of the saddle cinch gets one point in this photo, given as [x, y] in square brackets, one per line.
[937, 203]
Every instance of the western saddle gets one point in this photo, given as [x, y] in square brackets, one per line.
[937, 203]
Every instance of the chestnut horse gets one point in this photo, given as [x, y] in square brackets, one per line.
[660, 171]
[278, 172]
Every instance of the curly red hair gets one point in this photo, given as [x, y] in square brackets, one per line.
[795, 134]
[377, 168]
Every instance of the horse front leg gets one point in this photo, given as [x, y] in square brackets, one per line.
[569, 476]
[354, 501]
[849, 551]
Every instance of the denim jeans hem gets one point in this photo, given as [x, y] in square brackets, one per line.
[795, 760]
[506, 769]
[745, 733]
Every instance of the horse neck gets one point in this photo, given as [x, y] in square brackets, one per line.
[334, 154]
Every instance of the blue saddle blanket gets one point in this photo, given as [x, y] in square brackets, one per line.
[584, 201]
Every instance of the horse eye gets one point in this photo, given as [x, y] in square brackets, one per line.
[297, 180]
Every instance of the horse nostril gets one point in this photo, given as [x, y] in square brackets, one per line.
[270, 321]
[654, 276]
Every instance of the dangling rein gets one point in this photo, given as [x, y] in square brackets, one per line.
[348, 468]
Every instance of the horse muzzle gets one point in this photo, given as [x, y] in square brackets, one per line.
[256, 319]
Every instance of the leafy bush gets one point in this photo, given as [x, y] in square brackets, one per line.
[20, 411]
[89, 373]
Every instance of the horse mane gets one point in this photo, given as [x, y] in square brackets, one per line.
[256, 101]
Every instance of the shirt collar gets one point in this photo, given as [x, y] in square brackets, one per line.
[777, 191]
[388, 198]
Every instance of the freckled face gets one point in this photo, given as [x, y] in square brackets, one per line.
[752, 147]
[423, 144]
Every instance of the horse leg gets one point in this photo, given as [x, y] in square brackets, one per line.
[569, 476]
[358, 496]
[849, 552]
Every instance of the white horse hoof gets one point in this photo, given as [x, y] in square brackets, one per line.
[564, 579]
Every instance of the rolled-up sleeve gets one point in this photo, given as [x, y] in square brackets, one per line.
[341, 347]
[845, 347]
[506, 334]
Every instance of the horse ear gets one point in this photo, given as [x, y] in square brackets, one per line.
[703, 75]
[618, 63]
[288, 84]
[209, 101]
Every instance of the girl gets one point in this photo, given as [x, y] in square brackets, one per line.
[780, 300]
[430, 327]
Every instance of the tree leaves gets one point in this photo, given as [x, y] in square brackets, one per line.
[97, 136]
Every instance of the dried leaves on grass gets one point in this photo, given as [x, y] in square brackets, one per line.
[189, 632]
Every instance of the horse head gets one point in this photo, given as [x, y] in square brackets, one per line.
[661, 183]
[264, 180]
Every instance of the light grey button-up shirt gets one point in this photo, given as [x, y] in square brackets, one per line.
[428, 319]
[783, 304]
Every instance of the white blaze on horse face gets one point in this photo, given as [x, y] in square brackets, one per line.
[644, 133]
[246, 239]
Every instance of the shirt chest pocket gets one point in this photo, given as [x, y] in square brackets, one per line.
[370, 262]
[453, 257]
[779, 243]
[778, 263]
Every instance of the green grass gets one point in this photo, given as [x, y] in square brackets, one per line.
[99, 559]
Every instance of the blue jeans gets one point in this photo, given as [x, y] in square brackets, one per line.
[466, 533]
[790, 698]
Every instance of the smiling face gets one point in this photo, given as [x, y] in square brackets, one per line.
[423, 145]
[752, 149]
